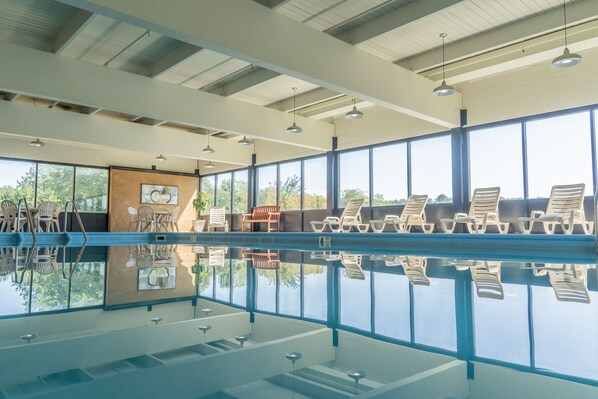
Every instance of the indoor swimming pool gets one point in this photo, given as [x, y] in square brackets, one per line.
[157, 318]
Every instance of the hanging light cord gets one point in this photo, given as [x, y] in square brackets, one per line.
[294, 106]
[443, 35]
[565, 20]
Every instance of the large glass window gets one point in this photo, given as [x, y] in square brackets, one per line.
[241, 191]
[390, 175]
[87, 285]
[354, 179]
[558, 152]
[501, 328]
[54, 183]
[434, 315]
[290, 186]
[392, 306]
[207, 185]
[315, 180]
[17, 180]
[565, 334]
[91, 189]
[315, 296]
[289, 297]
[496, 159]
[266, 188]
[265, 290]
[223, 191]
[431, 168]
[355, 302]
[239, 282]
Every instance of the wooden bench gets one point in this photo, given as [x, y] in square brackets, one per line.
[269, 214]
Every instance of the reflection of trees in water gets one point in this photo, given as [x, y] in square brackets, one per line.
[223, 275]
[51, 291]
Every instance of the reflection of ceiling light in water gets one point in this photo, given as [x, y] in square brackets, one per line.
[37, 143]
[244, 141]
[354, 113]
[567, 59]
[443, 89]
[294, 128]
[161, 158]
[209, 165]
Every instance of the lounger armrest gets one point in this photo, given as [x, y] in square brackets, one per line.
[332, 219]
[392, 218]
[351, 219]
[536, 214]
[461, 215]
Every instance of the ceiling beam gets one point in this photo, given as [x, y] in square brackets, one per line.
[385, 23]
[12, 97]
[577, 12]
[260, 75]
[395, 19]
[71, 30]
[170, 60]
[306, 99]
[278, 43]
[48, 124]
[38, 73]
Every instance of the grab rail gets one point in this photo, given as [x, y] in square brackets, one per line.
[29, 219]
[76, 212]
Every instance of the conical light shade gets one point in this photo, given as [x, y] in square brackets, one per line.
[208, 150]
[444, 90]
[567, 60]
[161, 158]
[354, 114]
[244, 141]
[294, 128]
[37, 143]
[209, 165]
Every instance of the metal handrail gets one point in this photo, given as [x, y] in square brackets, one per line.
[29, 219]
[76, 212]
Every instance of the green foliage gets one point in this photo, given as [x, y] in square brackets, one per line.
[201, 202]
[290, 193]
[352, 193]
[55, 184]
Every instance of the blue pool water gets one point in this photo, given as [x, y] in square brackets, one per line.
[504, 324]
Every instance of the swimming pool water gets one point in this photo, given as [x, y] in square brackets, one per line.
[411, 313]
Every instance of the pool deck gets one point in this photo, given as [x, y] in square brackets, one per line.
[510, 247]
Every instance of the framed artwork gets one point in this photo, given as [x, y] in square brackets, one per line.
[156, 194]
[156, 278]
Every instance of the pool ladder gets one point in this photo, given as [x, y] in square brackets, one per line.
[29, 219]
[77, 215]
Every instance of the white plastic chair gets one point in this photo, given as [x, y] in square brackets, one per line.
[217, 256]
[217, 219]
[570, 282]
[483, 212]
[351, 217]
[486, 277]
[565, 208]
[45, 214]
[10, 210]
[146, 219]
[413, 214]
[352, 264]
[55, 217]
[133, 220]
[173, 220]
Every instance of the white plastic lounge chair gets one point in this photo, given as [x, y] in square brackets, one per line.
[413, 214]
[217, 219]
[328, 256]
[415, 269]
[486, 277]
[483, 212]
[350, 218]
[565, 208]
[352, 264]
[570, 282]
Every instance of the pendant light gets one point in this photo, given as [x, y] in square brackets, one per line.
[161, 158]
[209, 165]
[208, 149]
[567, 59]
[443, 89]
[244, 141]
[294, 128]
[37, 143]
[354, 113]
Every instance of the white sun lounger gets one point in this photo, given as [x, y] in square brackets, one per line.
[350, 218]
[483, 212]
[413, 214]
[565, 208]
